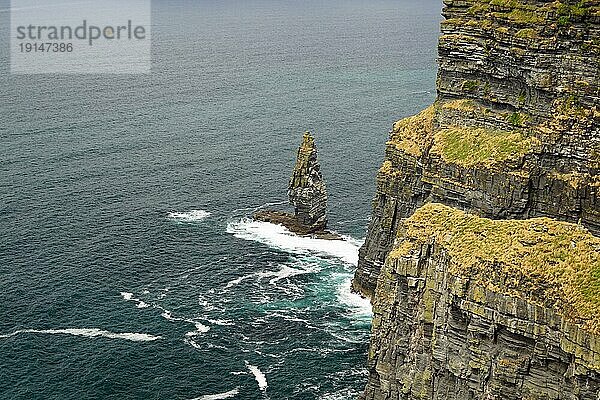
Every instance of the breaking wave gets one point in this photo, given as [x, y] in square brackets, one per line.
[360, 307]
[281, 238]
[189, 216]
[168, 315]
[260, 377]
[226, 395]
[90, 333]
[274, 277]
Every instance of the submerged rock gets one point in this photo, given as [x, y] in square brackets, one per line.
[307, 194]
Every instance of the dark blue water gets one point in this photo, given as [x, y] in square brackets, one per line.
[127, 267]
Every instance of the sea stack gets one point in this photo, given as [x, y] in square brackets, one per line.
[307, 194]
[307, 191]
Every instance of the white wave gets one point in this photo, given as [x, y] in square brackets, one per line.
[238, 281]
[282, 314]
[286, 272]
[200, 327]
[189, 216]
[216, 346]
[260, 377]
[141, 304]
[283, 273]
[360, 306]
[202, 301]
[279, 237]
[348, 339]
[168, 315]
[221, 322]
[129, 297]
[91, 333]
[226, 395]
[192, 343]
[343, 394]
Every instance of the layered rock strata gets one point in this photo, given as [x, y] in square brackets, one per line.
[502, 302]
[307, 190]
[514, 132]
[471, 308]
[307, 194]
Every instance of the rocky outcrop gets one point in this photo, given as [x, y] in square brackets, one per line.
[307, 194]
[307, 190]
[469, 308]
[514, 132]
[503, 302]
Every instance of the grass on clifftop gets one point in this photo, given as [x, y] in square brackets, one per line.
[413, 134]
[522, 12]
[478, 146]
[550, 263]
[467, 146]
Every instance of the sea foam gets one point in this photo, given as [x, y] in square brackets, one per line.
[189, 216]
[260, 377]
[284, 272]
[360, 306]
[91, 333]
[226, 395]
[200, 328]
[168, 315]
[279, 237]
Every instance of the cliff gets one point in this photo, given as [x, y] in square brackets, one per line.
[470, 308]
[513, 138]
[514, 133]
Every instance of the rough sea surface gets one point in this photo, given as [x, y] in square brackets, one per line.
[128, 267]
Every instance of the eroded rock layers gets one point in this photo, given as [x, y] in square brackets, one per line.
[513, 139]
[307, 190]
[307, 194]
[515, 130]
[456, 322]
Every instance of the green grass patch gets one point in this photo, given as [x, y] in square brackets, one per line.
[478, 146]
[516, 119]
[527, 33]
[546, 262]
[413, 134]
[470, 86]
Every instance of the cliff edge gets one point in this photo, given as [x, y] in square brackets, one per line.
[513, 140]
[471, 308]
[514, 133]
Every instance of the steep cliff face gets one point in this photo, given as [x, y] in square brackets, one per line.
[514, 132]
[470, 308]
[502, 303]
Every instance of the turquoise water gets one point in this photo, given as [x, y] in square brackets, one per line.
[128, 269]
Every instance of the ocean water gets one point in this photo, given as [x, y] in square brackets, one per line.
[128, 266]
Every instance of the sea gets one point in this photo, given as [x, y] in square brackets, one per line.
[129, 266]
